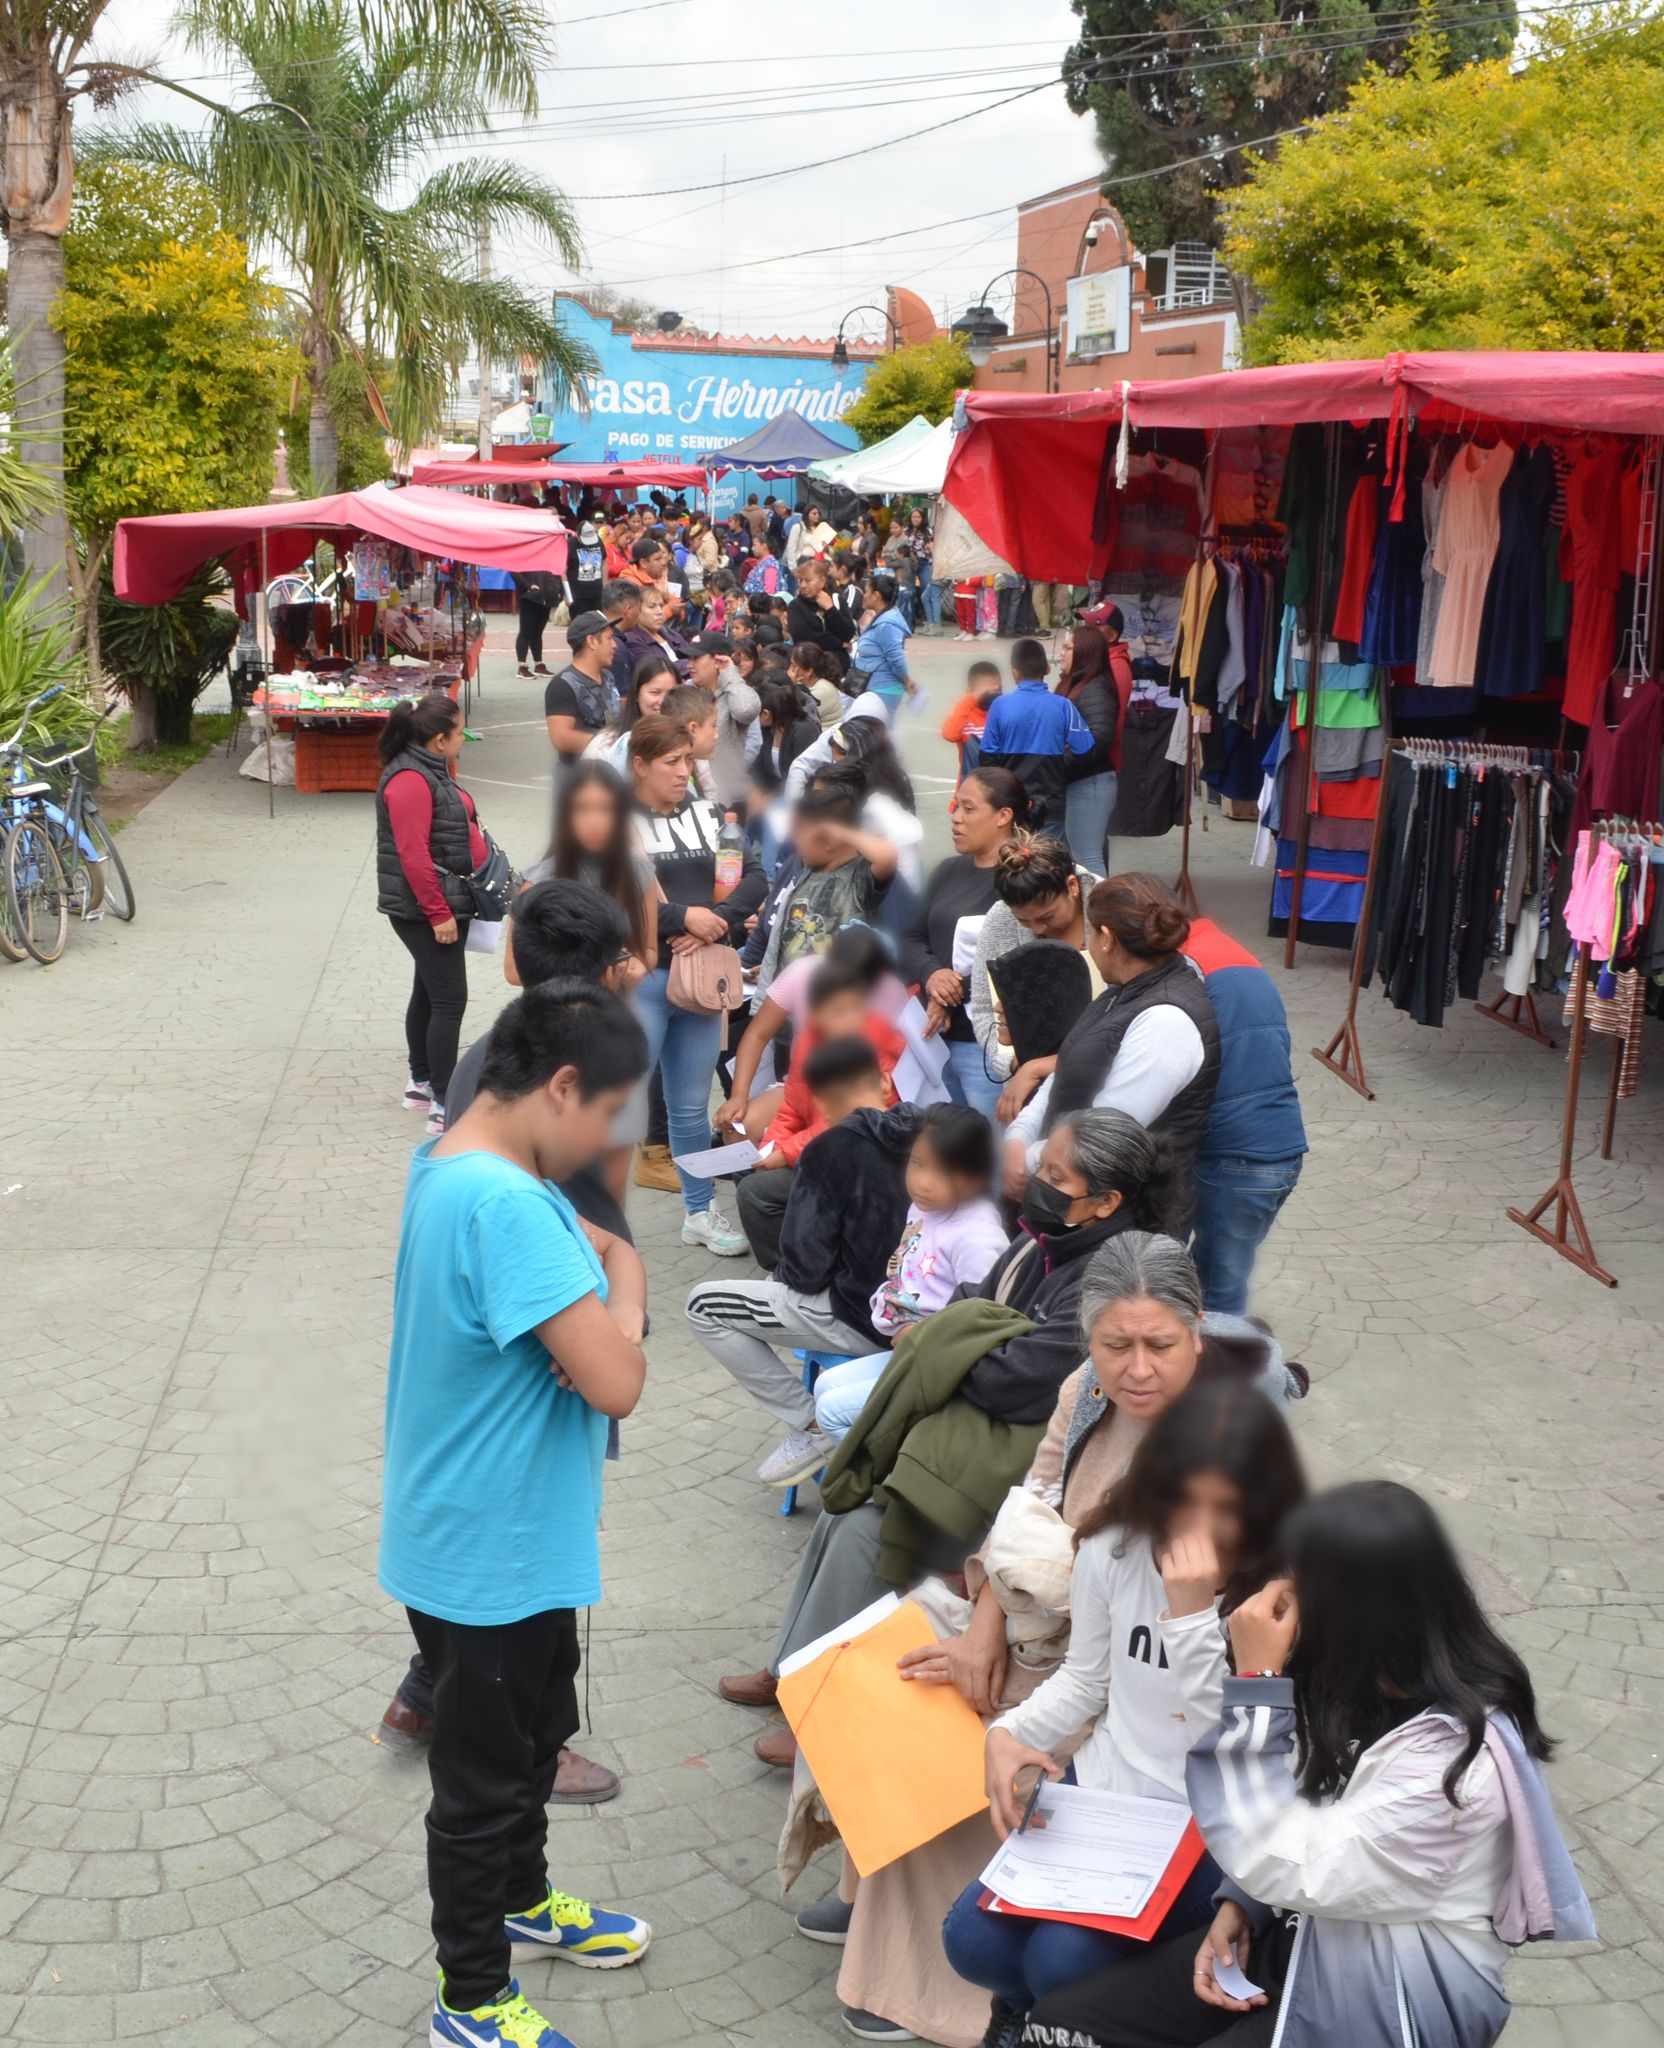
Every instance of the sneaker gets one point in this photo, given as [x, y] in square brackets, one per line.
[507, 2022]
[713, 1230]
[867, 2026]
[826, 1920]
[436, 1121]
[539, 669]
[587, 1935]
[418, 1094]
[803, 1452]
[654, 1169]
[1005, 2027]
[523, 670]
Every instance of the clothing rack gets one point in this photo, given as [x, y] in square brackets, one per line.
[1343, 1054]
[1327, 511]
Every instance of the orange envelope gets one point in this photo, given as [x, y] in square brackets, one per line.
[897, 1763]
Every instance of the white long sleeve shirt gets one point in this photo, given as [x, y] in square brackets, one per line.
[1148, 1686]
[1161, 1053]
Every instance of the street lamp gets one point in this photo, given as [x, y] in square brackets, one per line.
[840, 352]
[982, 327]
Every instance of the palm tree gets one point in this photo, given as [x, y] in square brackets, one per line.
[45, 66]
[320, 172]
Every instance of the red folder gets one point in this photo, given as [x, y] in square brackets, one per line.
[1148, 1924]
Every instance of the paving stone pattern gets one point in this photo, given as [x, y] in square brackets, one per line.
[200, 1180]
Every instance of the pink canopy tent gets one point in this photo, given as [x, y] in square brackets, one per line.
[1030, 470]
[675, 476]
[156, 557]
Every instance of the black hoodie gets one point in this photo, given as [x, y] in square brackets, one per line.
[847, 1210]
[1018, 1382]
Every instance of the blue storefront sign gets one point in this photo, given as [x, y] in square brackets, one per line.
[678, 406]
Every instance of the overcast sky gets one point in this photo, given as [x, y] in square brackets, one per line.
[653, 95]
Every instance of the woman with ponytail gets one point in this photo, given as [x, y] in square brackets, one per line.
[428, 842]
[1149, 1045]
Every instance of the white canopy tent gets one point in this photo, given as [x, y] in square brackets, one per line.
[914, 471]
[846, 470]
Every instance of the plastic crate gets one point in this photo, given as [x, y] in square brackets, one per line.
[335, 761]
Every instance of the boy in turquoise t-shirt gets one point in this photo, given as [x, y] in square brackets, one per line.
[516, 1334]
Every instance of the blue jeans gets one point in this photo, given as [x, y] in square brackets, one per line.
[1087, 806]
[1237, 1201]
[908, 603]
[841, 1392]
[683, 1046]
[933, 602]
[1023, 1961]
[967, 1078]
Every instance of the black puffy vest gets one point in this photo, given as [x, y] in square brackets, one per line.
[1088, 1053]
[448, 840]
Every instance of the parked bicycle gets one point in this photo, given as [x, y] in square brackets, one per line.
[57, 856]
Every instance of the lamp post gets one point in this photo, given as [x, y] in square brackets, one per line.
[981, 327]
[840, 352]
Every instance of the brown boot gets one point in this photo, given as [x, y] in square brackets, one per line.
[654, 1170]
[578, 1782]
[750, 1689]
[403, 1730]
[778, 1747]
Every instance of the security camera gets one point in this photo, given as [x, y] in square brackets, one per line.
[1092, 234]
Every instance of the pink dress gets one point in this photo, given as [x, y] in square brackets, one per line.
[1469, 529]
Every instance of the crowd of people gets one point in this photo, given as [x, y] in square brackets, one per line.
[1018, 1127]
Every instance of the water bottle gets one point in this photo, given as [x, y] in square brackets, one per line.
[730, 856]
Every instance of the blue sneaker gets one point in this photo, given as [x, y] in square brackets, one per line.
[507, 2022]
[589, 1936]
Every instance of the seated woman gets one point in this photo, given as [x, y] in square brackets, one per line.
[1187, 1533]
[1148, 1341]
[1374, 1783]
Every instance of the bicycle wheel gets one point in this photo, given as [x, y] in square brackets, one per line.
[110, 885]
[37, 891]
[11, 944]
[83, 877]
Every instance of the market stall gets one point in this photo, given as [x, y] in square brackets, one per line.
[618, 476]
[336, 706]
[787, 445]
[846, 470]
[1419, 597]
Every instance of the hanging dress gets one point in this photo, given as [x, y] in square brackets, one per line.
[1469, 528]
[1513, 636]
[1591, 562]
[1393, 609]
[1432, 577]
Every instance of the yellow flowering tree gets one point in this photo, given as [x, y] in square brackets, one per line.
[1485, 208]
[921, 379]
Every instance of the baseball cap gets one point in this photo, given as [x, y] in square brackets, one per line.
[1104, 614]
[713, 643]
[588, 533]
[585, 627]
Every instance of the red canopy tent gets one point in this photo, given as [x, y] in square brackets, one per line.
[156, 557]
[1030, 470]
[677, 476]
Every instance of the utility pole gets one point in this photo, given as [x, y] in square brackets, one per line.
[487, 408]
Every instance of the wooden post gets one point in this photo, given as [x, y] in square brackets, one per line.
[1570, 1234]
[1349, 1067]
[1315, 642]
[1183, 888]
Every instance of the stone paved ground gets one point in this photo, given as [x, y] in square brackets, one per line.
[199, 1185]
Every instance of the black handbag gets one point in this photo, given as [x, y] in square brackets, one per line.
[492, 884]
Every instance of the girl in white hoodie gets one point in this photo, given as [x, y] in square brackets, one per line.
[1373, 1792]
[1187, 1533]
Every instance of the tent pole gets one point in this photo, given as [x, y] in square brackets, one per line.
[1570, 1235]
[1183, 888]
[266, 617]
[1349, 1067]
[1314, 668]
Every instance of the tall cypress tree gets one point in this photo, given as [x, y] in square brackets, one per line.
[1172, 80]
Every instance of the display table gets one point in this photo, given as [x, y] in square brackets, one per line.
[336, 721]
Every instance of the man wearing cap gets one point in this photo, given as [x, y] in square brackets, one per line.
[581, 699]
[737, 705]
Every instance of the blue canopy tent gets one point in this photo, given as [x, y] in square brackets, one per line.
[783, 446]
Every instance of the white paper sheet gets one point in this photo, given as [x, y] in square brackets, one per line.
[918, 703]
[720, 1160]
[913, 1084]
[931, 1053]
[846, 1631]
[966, 933]
[484, 936]
[1229, 1978]
[1099, 1852]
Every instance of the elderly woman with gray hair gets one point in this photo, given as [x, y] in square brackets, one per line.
[1147, 1340]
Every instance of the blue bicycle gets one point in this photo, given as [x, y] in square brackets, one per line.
[56, 854]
